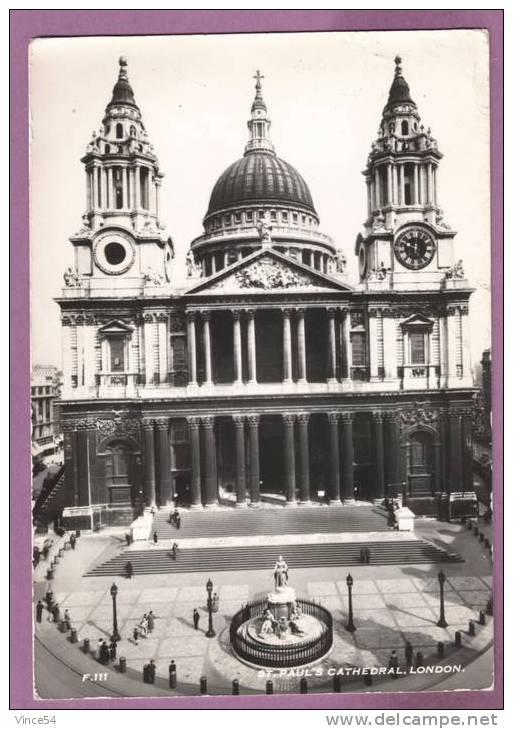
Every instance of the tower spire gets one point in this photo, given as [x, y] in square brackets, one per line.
[259, 124]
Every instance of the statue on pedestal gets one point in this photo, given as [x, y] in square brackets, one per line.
[281, 573]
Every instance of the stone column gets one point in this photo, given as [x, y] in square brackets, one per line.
[254, 461]
[304, 459]
[149, 463]
[467, 454]
[165, 497]
[401, 184]
[391, 435]
[191, 347]
[379, 463]
[240, 457]
[84, 427]
[422, 192]
[194, 438]
[346, 419]
[211, 494]
[290, 459]
[455, 482]
[429, 170]
[334, 484]
[287, 348]
[377, 191]
[369, 196]
[251, 346]
[345, 345]
[205, 315]
[332, 374]
[137, 187]
[416, 184]
[301, 345]
[237, 347]
[110, 187]
[125, 188]
[390, 191]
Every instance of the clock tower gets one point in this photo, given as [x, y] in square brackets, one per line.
[406, 245]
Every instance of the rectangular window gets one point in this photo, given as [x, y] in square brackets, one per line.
[273, 215]
[249, 216]
[285, 216]
[238, 217]
[358, 349]
[117, 352]
[418, 347]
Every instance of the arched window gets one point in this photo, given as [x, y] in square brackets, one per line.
[404, 127]
[119, 131]
[107, 149]
[132, 130]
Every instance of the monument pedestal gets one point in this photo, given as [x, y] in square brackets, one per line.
[281, 602]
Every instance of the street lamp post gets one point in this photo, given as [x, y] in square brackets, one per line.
[350, 624]
[114, 591]
[210, 632]
[442, 622]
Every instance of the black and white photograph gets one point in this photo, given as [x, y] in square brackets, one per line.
[261, 364]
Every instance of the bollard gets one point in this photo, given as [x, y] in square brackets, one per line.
[62, 626]
[73, 635]
[49, 574]
[337, 684]
[457, 639]
[482, 617]
[269, 687]
[419, 660]
[203, 685]
[86, 645]
[303, 686]
[235, 687]
[471, 628]
[440, 649]
[367, 679]
[481, 537]
[122, 664]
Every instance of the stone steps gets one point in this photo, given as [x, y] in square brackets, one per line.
[299, 556]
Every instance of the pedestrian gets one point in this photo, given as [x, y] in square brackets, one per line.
[104, 653]
[151, 671]
[136, 635]
[362, 555]
[151, 621]
[46, 549]
[39, 611]
[49, 599]
[367, 555]
[175, 515]
[113, 650]
[408, 654]
[36, 555]
[195, 618]
[393, 664]
[127, 538]
[72, 541]
[56, 612]
[155, 537]
[145, 672]
[172, 675]
[215, 602]
[143, 626]
[178, 520]
[129, 570]
[67, 619]
[174, 549]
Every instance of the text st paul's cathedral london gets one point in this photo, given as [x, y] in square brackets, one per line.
[265, 376]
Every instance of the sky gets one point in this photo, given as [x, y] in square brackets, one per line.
[324, 93]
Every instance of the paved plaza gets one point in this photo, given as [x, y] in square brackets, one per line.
[392, 605]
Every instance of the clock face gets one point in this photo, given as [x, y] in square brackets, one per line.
[415, 248]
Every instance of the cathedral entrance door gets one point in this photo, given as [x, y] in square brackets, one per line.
[272, 471]
[118, 473]
[182, 489]
[420, 462]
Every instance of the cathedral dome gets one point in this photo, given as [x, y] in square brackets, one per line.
[260, 178]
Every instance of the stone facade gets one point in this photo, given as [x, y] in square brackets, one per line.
[268, 376]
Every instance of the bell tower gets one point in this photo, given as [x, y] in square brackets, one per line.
[406, 245]
[122, 237]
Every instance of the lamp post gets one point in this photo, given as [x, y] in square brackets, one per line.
[210, 632]
[442, 622]
[350, 624]
[114, 591]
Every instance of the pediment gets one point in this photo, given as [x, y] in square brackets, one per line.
[417, 320]
[268, 271]
[115, 327]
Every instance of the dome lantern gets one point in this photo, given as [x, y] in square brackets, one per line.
[259, 125]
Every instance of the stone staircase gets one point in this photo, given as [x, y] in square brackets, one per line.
[298, 556]
[272, 521]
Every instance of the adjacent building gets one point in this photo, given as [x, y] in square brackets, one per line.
[45, 386]
[268, 376]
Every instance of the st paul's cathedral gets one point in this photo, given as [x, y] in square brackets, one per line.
[267, 378]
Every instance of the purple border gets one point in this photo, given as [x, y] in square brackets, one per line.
[28, 24]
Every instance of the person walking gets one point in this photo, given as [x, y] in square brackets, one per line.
[152, 669]
[195, 618]
[393, 664]
[178, 520]
[49, 599]
[67, 619]
[172, 675]
[143, 626]
[174, 549]
[151, 621]
[39, 611]
[155, 537]
[129, 570]
[104, 653]
[136, 635]
[73, 541]
[408, 654]
[56, 612]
